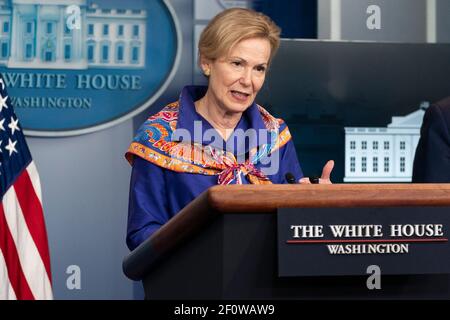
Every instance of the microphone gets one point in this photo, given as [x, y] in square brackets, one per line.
[290, 178]
[314, 180]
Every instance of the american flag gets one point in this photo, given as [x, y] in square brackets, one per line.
[24, 255]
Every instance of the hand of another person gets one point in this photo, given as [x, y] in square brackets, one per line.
[326, 173]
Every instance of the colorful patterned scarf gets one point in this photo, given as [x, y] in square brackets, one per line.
[153, 143]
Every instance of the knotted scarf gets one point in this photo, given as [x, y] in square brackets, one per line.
[154, 143]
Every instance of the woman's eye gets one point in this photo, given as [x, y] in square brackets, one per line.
[236, 63]
[261, 69]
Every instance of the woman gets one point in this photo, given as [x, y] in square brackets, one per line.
[215, 134]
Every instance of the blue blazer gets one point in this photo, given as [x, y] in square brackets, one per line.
[432, 159]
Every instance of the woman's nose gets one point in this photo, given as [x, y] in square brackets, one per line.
[246, 78]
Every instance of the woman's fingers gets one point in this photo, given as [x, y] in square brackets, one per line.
[304, 181]
[326, 172]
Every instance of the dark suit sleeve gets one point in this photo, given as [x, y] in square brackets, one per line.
[432, 159]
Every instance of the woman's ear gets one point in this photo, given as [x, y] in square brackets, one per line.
[205, 65]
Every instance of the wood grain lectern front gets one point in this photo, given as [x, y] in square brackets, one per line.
[340, 241]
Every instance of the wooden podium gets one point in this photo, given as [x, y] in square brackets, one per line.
[223, 245]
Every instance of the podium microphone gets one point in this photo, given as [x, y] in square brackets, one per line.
[290, 178]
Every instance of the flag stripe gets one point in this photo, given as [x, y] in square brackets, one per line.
[30, 260]
[34, 217]
[34, 176]
[6, 289]
[15, 273]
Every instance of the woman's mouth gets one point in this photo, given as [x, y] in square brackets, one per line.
[239, 95]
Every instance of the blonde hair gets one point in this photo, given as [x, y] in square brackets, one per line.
[234, 25]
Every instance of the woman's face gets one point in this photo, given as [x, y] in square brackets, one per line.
[235, 80]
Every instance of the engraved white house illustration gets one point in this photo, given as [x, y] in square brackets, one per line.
[383, 154]
[34, 34]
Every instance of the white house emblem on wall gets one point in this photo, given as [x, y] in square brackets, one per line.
[34, 34]
[77, 66]
[383, 154]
